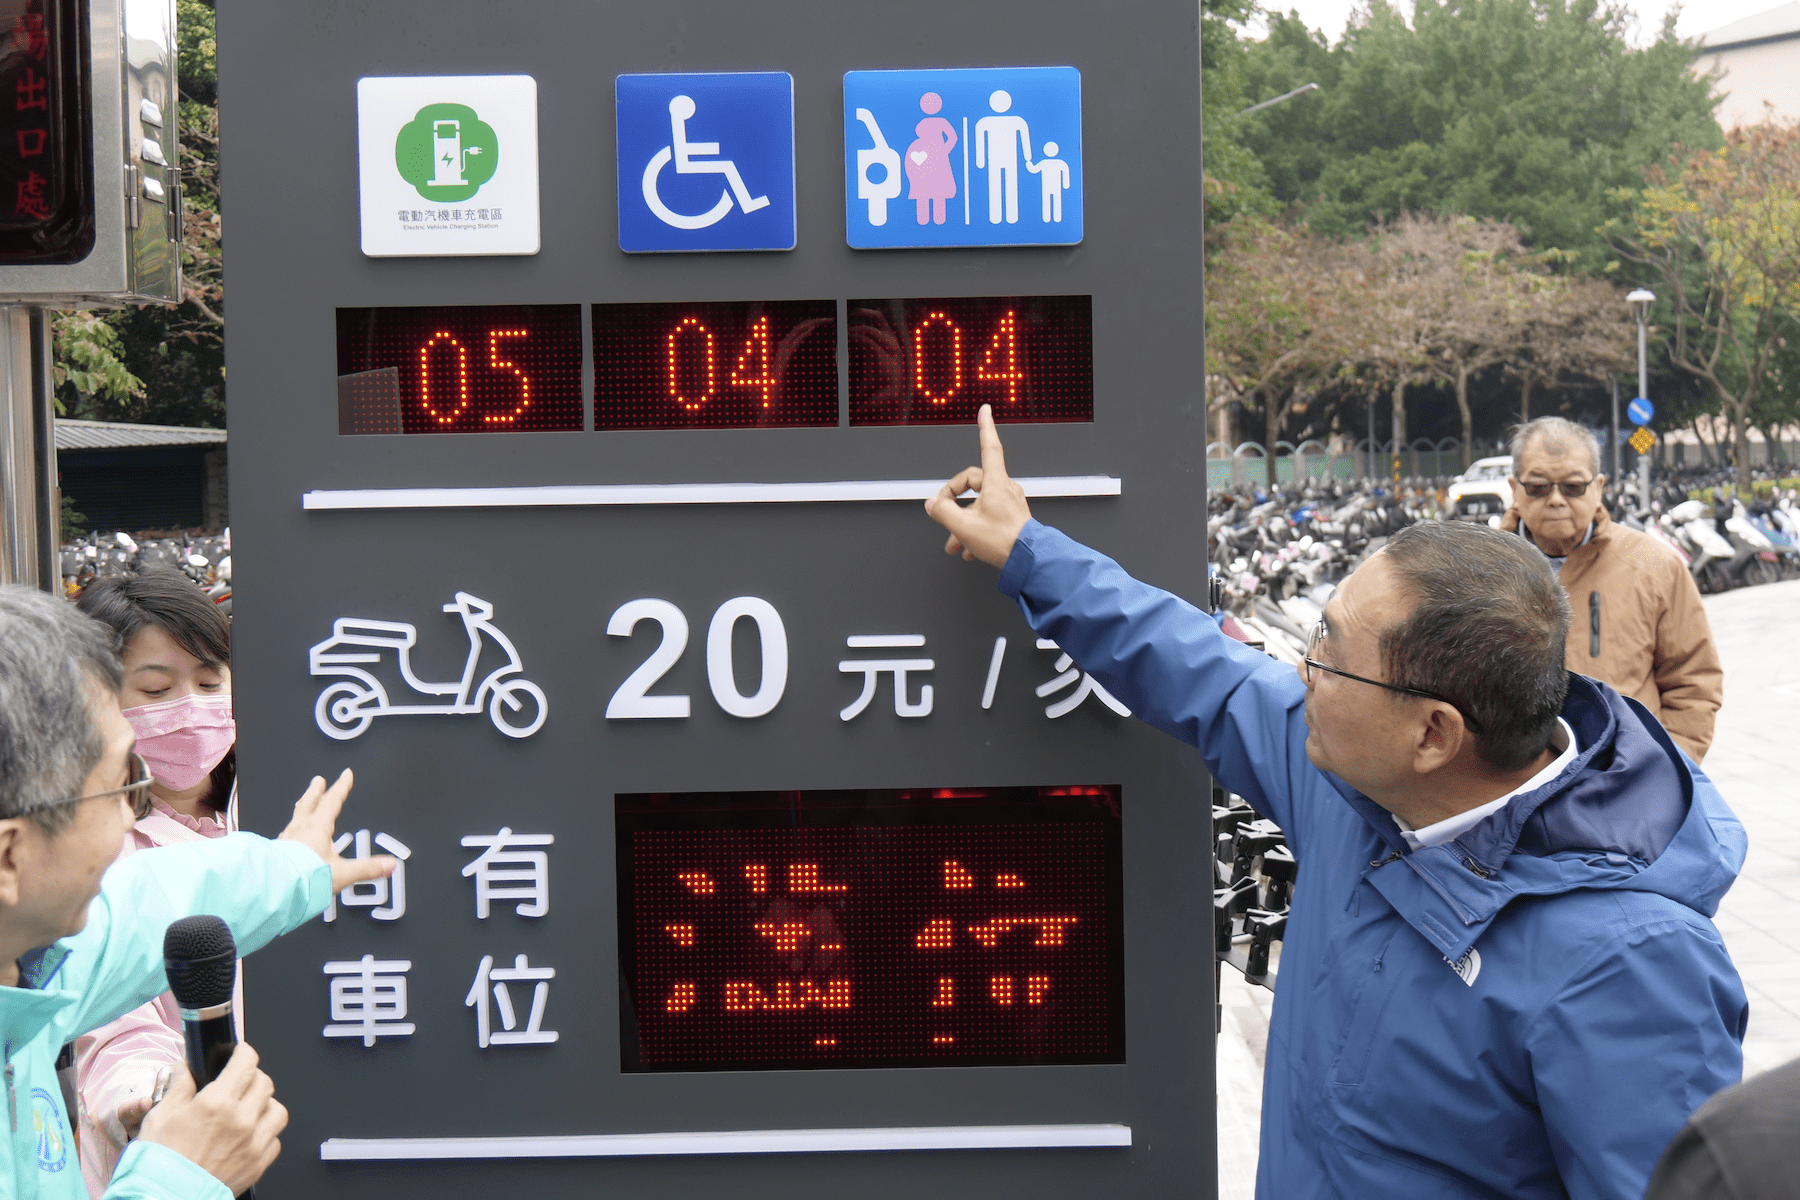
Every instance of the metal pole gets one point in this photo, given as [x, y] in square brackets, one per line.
[1644, 391]
[43, 438]
[27, 528]
[1615, 431]
[1373, 447]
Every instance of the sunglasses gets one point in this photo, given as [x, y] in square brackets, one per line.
[137, 784]
[1312, 664]
[1569, 487]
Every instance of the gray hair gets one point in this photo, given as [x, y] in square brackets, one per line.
[1486, 633]
[1560, 434]
[50, 658]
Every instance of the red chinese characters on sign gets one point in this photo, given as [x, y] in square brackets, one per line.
[871, 929]
[26, 120]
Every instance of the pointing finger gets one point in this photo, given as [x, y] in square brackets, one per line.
[993, 455]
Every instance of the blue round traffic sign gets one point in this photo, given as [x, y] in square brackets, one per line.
[1641, 411]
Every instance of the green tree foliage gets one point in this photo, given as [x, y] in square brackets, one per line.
[1528, 111]
[157, 364]
[1718, 234]
[85, 350]
[1234, 179]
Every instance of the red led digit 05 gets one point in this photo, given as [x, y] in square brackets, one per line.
[492, 369]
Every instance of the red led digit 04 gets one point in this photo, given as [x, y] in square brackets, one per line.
[911, 360]
[715, 365]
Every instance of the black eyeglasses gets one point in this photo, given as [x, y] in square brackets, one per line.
[1568, 487]
[138, 782]
[1313, 664]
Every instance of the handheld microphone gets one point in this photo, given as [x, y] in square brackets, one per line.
[201, 961]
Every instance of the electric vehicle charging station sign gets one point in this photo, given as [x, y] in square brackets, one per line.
[706, 162]
[448, 165]
[987, 157]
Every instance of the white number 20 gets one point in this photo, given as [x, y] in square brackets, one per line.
[632, 701]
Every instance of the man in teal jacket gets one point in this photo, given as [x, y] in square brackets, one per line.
[81, 944]
[1499, 977]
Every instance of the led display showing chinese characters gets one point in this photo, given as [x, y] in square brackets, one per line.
[479, 369]
[946, 927]
[45, 178]
[715, 365]
[936, 362]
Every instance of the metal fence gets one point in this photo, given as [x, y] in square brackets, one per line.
[1248, 463]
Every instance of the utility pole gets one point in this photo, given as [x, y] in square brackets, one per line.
[1615, 430]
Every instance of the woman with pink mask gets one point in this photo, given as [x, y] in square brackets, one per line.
[176, 650]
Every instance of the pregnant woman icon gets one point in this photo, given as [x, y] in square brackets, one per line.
[928, 170]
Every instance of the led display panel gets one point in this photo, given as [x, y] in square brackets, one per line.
[474, 369]
[870, 928]
[937, 361]
[716, 365]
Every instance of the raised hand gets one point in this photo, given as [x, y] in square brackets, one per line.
[315, 825]
[987, 528]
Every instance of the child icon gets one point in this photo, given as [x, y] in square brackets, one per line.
[1053, 173]
[928, 162]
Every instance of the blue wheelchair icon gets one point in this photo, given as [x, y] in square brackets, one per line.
[748, 119]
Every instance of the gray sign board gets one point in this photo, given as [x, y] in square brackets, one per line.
[724, 808]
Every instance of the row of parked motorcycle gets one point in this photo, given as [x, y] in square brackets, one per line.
[1277, 553]
[205, 559]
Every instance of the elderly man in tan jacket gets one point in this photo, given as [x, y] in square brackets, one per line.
[1637, 622]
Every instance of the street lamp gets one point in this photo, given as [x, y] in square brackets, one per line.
[1640, 301]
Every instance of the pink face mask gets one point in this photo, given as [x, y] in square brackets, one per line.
[183, 739]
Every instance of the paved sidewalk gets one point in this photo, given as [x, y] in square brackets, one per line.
[1755, 760]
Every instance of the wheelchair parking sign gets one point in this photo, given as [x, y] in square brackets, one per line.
[706, 162]
[986, 157]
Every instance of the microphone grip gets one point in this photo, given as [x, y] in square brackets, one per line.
[210, 1041]
[211, 1036]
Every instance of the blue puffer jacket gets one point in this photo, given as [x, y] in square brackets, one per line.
[1531, 1010]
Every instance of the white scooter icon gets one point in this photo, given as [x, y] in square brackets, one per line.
[344, 710]
[682, 151]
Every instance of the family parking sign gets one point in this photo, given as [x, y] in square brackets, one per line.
[706, 162]
[988, 157]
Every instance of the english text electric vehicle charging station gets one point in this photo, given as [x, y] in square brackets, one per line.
[589, 366]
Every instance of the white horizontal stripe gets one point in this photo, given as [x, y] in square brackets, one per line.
[687, 493]
[883, 641]
[753, 1141]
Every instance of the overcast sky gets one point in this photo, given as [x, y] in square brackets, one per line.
[1696, 17]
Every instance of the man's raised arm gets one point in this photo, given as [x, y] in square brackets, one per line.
[261, 889]
[1159, 655]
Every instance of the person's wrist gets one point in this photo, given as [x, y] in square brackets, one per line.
[158, 1171]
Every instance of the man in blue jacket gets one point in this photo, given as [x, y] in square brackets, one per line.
[1499, 976]
[81, 943]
